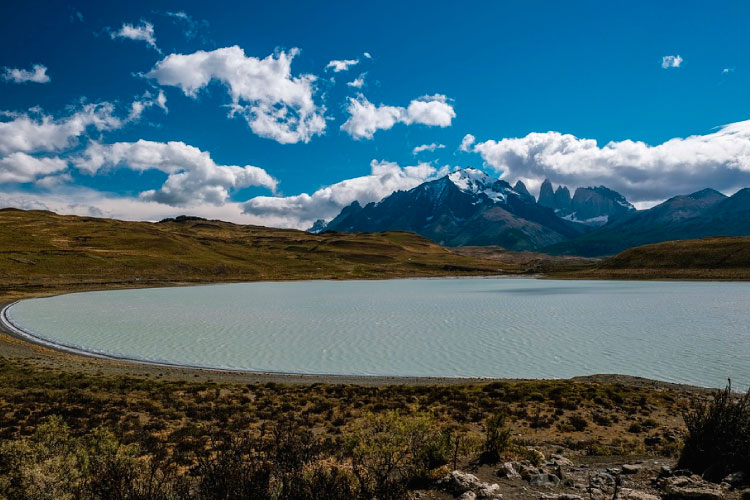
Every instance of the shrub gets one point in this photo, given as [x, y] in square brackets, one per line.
[718, 435]
[497, 438]
[578, 422]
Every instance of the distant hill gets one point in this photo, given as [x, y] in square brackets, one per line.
[698, 215]
[44, 251]
[718, 257]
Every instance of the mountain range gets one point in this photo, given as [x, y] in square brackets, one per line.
[470, 208]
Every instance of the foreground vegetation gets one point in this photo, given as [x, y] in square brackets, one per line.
[76, 435]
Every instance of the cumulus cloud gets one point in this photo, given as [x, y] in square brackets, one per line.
[358, 82]
[35, 131]
[467, 143]
[23, 168]
[143, 32]
[367, 55]
[193, 177]
[275, 104]
[37, 74]
[338, 66]
[365, 118]
[301, 211]
[671, 62]
[427, 147]
[641, 172]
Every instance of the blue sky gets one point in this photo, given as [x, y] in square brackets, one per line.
[145, 110]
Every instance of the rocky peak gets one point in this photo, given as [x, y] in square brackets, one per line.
[547, 195]
[562, 199]
[520, 188]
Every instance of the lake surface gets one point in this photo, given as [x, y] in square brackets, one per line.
[691, 332]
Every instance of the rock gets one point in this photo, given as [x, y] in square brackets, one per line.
[746, 494]
[665, 471]
[489, 491]
[458, 482]
[631, 469]
[735, 479]
[544, 480]
[561, 496]
[508, 471]
[629, 494]
[690, 488]
[468, 486]
[560, 460]
[526, 472]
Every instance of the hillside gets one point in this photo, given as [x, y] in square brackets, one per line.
[42, 251]
[721, 258]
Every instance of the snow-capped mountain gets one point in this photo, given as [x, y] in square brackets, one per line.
[466, 207]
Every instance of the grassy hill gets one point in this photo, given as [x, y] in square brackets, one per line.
[42, 251]
[719, 257]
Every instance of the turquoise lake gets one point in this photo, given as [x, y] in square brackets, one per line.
[688, 332]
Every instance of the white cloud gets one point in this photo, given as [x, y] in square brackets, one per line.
[358, 82]
[365, 118]
[427, 147]
[727, 70]
[641, 172]
[37, 74]
[341, 65]
[139, 106]
[671, 62]
[301, 211]
[367, 55]
[23, 168]
[467, 142]
[193, 177]
[38, 132]
[143, 32]
[275, 104]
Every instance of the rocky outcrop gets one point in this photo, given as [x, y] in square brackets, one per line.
[468, 486]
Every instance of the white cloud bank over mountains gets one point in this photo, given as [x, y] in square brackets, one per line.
[643, 173]
[302, 210]
[274, 103]
[365, 118]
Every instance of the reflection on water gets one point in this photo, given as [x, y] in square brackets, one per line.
[695, 333]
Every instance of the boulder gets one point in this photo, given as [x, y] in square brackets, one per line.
[690, 488]
[508, 471]
[631, 468]
[560, 460]
[630, 494]
[544, 480]
[468, 486]
[458, 482]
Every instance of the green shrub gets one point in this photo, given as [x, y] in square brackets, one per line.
[718, 435]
